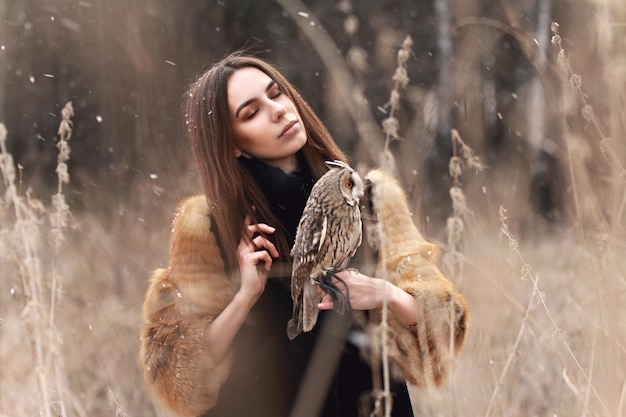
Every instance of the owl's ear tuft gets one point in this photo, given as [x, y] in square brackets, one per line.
[336, 164]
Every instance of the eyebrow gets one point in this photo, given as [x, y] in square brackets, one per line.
[247, 102]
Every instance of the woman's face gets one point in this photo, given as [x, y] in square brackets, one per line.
[265, 122]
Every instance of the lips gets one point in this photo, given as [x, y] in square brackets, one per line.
[288, 128]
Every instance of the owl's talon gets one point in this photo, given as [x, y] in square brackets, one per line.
[341, 302]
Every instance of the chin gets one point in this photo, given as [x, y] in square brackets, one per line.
[301, 139]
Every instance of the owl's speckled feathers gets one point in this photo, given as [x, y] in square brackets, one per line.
[328, 236]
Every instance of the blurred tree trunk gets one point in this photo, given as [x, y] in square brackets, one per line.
[444, 62]
[541, 147]
[3, 68]
[436, 175]
[537, 103]
[613, 57]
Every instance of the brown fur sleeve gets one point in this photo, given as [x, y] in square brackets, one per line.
[425, 354]
[181, 302]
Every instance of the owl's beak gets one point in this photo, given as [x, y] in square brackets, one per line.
[366, 200]
[367, 185]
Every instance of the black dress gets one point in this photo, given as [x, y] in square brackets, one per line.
[268, 367]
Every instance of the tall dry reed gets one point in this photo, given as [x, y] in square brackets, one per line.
[28, 227]
[383, 399]
[462, 156]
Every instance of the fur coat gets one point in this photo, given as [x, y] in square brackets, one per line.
[183, 299]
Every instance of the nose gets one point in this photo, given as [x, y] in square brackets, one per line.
[278, 111]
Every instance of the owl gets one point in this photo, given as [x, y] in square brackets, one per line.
[328, 235]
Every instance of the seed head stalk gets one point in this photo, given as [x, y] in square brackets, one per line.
[30, 270]
[40, 297]
[400, 79]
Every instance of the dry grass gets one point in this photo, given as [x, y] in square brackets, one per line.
[23, 239]
[546, 338]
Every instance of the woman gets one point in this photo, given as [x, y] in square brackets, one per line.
[215, 341]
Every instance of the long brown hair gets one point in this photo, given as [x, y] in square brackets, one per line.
[230, 190]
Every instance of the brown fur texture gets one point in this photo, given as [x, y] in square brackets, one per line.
[180, 304]
[426, 353]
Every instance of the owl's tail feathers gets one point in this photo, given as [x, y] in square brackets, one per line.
[294, 326]
[340, 301]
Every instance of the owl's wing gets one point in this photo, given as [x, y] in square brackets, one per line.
[319, 245]
[311, 238]
[305, 310]
[356, 232]
[294, 326]
[310, 311]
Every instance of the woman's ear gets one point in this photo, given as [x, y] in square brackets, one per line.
[238, 152]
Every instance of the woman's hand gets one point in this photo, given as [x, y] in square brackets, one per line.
[367, 293]
[255, 255]
[255, 260]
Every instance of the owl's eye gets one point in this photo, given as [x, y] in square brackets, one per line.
[349, 184]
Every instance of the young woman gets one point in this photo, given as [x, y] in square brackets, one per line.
[215, 341]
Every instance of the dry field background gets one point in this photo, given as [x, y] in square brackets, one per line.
[548, 299]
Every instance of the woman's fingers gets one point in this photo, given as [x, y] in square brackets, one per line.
[255, 254]
[262, 256]
[260, 242]
[326, 303]
[260, 228]
[257, 227]
[257, 249]
[365, 292]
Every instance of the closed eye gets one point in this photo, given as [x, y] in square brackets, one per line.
[251, 114]
[274, 92]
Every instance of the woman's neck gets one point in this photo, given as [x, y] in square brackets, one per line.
[287, 165]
